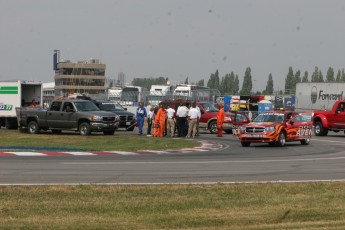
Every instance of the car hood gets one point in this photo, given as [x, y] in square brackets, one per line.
[261, 124]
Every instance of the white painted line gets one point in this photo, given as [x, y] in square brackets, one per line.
[80, 153]
[29, 154]
[155, 151]
[122, 153]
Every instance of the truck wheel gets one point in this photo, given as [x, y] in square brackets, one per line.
[33, 127]
[212, 126]
[109, 132]
[245, 144]
[319, 130]
[84, 129]
[305, 141]
[281, 140]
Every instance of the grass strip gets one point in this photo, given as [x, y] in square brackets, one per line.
[96, 142]
[220, 206]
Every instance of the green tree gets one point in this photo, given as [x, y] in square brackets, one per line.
[200, 82]
[330, 75]
[232, 83]
[247, 83]
[338, 79]
[269, 86]
[320, 76]
[305, 77]
[343, 75]
[315, 75]
[289, 81]
[236, 87]
[148, 82]
[226, 84]
[186, 81]
[213, 82]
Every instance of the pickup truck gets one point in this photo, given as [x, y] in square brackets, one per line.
[334, 120]
[79, 115]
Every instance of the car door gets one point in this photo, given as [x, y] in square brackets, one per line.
[54, 115]
[339, 117]
[298, 127]
[238, 120]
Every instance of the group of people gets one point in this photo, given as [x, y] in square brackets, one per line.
[165, 121]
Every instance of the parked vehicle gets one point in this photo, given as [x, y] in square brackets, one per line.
[209, 112]
[127, 119]
[16, 94]
[318, 95]
[326, 120]
[275, 128]
[82, 116]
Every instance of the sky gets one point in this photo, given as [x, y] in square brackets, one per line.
[173, 38]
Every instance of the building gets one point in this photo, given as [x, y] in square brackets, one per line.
[48, 93]
[83, 77]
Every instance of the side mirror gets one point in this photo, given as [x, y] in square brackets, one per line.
[125, 109]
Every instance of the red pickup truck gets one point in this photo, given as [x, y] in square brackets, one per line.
[334, 120]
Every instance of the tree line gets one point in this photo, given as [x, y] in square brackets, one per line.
[229, 84]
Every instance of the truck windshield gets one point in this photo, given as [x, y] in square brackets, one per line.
[112, 107]
[85, 106]
[269, 117]
[209, 107]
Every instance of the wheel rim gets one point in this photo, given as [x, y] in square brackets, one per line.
[214, 128]
[282, 139]
[317, 129]
[32, 128]
[307, 140]
[83, 130]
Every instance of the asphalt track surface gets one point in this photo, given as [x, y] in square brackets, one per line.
[322, 160]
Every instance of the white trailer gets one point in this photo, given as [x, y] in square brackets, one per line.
[318, 95]
[160, 93]
[17, 94]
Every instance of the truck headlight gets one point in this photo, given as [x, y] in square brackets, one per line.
[117, 118]
[242, 129]
[270, 129]
[96, 118]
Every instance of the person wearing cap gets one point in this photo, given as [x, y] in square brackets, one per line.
[140, 116]
[220, 120]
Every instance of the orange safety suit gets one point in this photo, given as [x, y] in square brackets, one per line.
[220, 121]
[161, 114]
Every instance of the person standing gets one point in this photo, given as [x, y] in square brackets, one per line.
[220, 120]
[171, 121]
[193, 116]
[140, 116]
[150, 121]
[181, 113]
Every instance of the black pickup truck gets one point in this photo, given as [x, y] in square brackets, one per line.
[79, 115]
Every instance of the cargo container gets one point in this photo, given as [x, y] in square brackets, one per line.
[17, 94]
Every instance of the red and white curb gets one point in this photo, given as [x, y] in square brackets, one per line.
[206, 146]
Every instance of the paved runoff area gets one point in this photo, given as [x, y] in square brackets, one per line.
[206, 146]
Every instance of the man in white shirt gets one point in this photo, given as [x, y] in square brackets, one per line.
[150, 121]
[193, 116]
[171, 121]
[181, 113]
